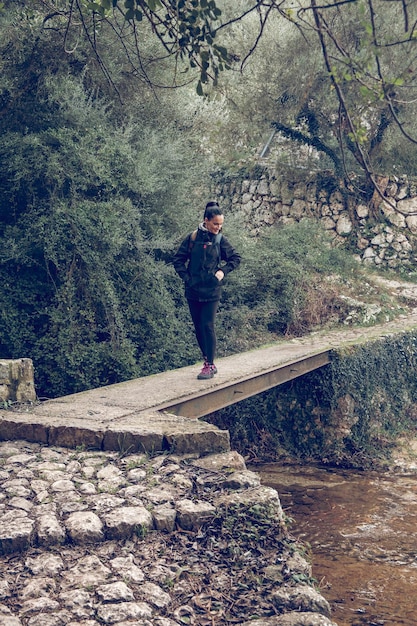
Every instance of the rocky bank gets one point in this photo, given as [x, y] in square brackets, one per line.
[92, 537]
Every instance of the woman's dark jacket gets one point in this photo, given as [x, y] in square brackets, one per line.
[197, 261]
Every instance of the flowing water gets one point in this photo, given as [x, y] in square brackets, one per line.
[362, 528]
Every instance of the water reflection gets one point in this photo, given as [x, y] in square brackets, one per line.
[362, 529]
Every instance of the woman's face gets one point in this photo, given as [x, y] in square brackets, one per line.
[215, 224]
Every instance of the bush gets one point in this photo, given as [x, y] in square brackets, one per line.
[282, 286]
[86, 195]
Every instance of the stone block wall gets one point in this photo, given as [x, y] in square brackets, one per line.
[381, 232]
[17, 380]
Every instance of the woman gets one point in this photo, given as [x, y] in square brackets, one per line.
[203, 259]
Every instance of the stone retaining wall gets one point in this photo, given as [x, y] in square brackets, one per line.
[163, 540]
[381, 232]
[17, 380]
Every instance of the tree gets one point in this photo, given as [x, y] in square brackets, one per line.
[368, 53]
[366, 50]
[183, 29]
[86, 195]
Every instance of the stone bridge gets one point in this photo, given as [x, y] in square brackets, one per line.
[162, 412]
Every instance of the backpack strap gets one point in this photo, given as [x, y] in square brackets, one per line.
[191, 240]
[217, 241]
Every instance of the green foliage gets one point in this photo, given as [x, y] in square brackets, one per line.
[380, 377]
[348, 413]
[356, 104]
[83, 187]
[186, 30]
[279, 286]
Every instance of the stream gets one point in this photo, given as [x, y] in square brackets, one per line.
[362, 529]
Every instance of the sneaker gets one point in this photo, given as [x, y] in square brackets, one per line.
[206, 372]
[213, 368]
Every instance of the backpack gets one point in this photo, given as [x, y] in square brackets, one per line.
[217, 241]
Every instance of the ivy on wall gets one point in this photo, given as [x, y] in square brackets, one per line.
[348, 413]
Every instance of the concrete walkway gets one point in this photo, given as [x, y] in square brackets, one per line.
[129, 416]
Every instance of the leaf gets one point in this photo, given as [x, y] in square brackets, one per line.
[153, 4]
[365, 91]
[95, 6]
[199, 88]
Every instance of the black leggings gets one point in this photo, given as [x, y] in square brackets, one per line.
[203, 315]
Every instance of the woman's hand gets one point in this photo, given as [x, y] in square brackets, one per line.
[219, 275]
